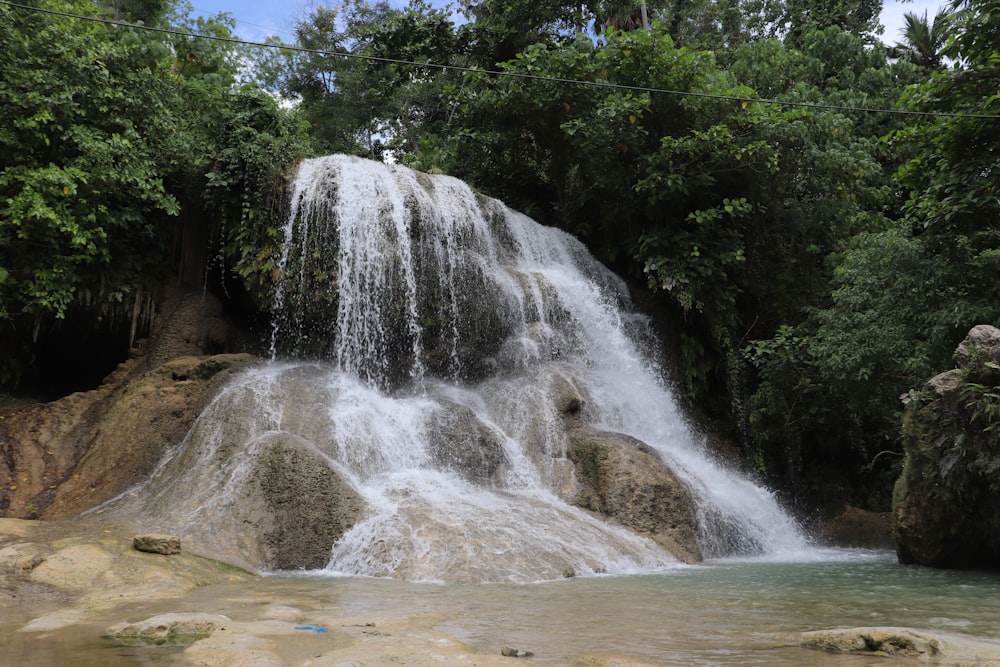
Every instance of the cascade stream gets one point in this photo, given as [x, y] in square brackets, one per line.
[442, 333]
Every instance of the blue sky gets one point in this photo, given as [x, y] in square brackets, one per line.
[256, 19]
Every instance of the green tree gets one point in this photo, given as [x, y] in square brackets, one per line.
[86, 126]
[500, 29]
[107, 134]
[903, 296]
[858, 17]
[924, 41]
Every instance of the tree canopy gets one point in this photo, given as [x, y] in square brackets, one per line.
[817, 212]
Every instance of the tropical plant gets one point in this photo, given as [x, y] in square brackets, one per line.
[924, 41]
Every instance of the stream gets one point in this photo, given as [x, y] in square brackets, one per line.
[723, 612]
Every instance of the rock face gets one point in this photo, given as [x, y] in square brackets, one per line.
[946, 505]
[291, 502]
[60, 458]
[625, 479]
[460, 442]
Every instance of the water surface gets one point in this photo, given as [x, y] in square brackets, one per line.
[735, 612]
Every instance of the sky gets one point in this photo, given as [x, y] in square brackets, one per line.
[257, 19]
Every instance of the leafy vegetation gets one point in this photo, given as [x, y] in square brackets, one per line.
[117, 143]
[818, 260]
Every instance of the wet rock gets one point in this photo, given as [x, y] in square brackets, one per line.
[857, 528]
[175, 629]
[93, 566]
[624, 478]
[936, 647]
[460, 442]
[167, 545]
[946, 503]
[298, 505]
[510, 652]
[72, 454]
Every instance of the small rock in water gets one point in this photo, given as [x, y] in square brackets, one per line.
[509, 652]
[158, 544]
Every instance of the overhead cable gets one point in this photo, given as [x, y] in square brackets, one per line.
[504, 73]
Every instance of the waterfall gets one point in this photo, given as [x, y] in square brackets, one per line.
[440, 330]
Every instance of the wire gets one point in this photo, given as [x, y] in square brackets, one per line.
[505, 73]
[206, 13]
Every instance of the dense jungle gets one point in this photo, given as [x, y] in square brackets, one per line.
[814, 215]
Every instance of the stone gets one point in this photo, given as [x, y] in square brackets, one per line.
[76, 567]
[946, 502]
[625, 479]
[23, 557]
[173, 629]
[74, 453]
[298, 505]
[980, 347]
[167, 545]
[510, 652]
[459, 441]
[932, 646]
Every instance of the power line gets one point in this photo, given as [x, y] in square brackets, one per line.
[505, 73]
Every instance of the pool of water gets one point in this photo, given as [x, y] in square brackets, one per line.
[735, 612]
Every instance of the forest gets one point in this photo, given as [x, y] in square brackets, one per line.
[818, 213]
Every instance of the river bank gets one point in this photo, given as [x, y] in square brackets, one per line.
[68, 586]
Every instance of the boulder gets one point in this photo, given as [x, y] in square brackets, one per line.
[625, 479]
[980, 348]
[459, 441]
[938, 648]
[297, 505]
[946, 503]
[167, 545]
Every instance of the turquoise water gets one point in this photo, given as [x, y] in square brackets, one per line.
[720, 613]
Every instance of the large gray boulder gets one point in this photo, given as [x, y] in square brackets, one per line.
[297, 505]
[625, 479]
[460, 442]
[946, 504]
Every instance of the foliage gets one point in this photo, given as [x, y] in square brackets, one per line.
[858, 17]
[955, 448]
[924, 41]
[246, 183]
[87, 125]
[108, 134]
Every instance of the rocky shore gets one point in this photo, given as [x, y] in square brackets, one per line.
[68, 578]
[82, 590]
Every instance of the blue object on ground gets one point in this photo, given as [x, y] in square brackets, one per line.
[315, 628]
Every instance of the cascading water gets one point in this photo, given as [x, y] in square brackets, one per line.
[444, 326]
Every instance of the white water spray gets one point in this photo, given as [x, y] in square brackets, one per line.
[445, 322]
